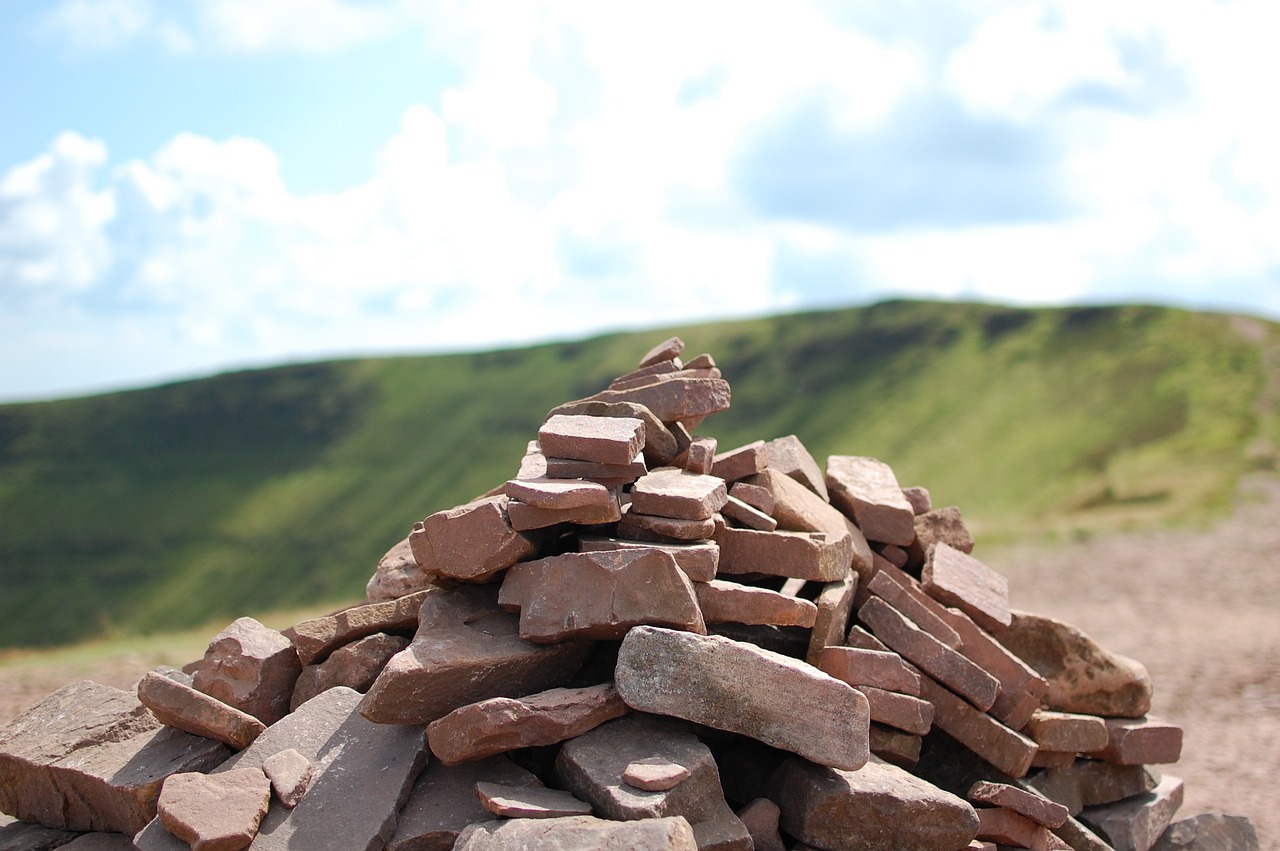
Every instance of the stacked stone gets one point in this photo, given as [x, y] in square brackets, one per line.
[636, 642]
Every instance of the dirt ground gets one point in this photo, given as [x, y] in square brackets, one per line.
[1199, 607]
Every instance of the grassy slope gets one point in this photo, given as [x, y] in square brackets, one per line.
[160, 508]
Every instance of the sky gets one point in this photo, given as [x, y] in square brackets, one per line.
[193, 186]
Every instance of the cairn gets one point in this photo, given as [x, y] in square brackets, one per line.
[637, 642]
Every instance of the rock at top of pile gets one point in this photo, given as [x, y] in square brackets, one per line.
[958, 579]
[668, 350]
[790, 457]
[867, 490]
[603, 440]
[251, 667]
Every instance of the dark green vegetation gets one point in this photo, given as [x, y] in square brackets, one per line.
[161, 508]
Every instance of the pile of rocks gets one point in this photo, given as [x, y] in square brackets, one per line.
[637, 642]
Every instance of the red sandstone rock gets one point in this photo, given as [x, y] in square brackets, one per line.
[667, 350]
[732, 602]
[815, 556]
[798, 509]
[635, 523]
[788, 456]
[501, 724]
[895, 747]
[251, 667]
[558, 493]
[693, 677]
[741, 462]
[471, 542]
[761, 818]
[529, 801]
[1088, 783]
[355, 666]
[654, 774]
[1006, 749]
[397, 575]
[880, 669]
[672, 492]
[218, 812]
[1035, 807]
[699, 561]
[659, 443]
[609, 475]
[943, 526]
[1207, 832]
[1010, 828]
[900, 711]
[755, 496]
[602, 440]
[746, 515]
[675, 399]
[699, 457]
[316, 638]
[898, 593]
[290, 774]
[962, 581]
[1067, 732]
[835, 604]
[1141, 741]
[181, 706]
[443, 802]
[573, 833]
[918, 497]
[867, 491]
[525, 518]
[599, 595]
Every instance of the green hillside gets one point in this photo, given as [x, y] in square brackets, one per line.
[158, 508]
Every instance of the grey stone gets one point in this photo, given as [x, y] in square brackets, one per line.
[28, 836]
[1209, 832]
[575, 833]
[1135, 824]
[443, 802]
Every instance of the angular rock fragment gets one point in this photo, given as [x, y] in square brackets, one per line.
[878, 668]
[502, 724]
[755, 496]
[699, 458]
[672, 492]
[1007, 827]
[815, 556]
[529, 801]
[1067, 732]
[669, 349]
[698, 561]
[867, 491]
[290, 774]
[747, 515]
[1088, 783]
[471, 542]
[659, 443]
[898, 594]
[900, 711]
[251, 667]
[654, 774]
[525, 518]
[1141, 741]
[579, 832]
[443, 802]
[609, 475]
[1082, 676]
[602, 440]
[921, 501]
[26, 836]
[355, 666]
[696, 678]
[466, 649]
[1035, 807]
[1135, 824]
[636, 525]
[835, 604]
[941, 526]
[591, 766]
[877, 808]
[798, 509]
[599, 595]
[741, 462]
[761, 818]
[216, 812]
[558, 493]
[316, 638]
[723, 602]
[91, 757]
[788, 456]
[960, 580]
[397, 575]
[195, 712]
[675, 399]
[1008, 750]
[1209, 832]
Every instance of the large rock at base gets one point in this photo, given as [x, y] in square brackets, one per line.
[880, 807]
[443, 802]
[1083, 677]
[91, 757]
[745, 689]
[466, 649]
[1209, 832]
[577, 832]
[251, 667]
[592, 767]
[181, 706]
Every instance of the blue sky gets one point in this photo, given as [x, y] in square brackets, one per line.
[190, 186]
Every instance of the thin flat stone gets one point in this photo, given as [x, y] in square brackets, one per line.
[1135, 824]
[677, 493]
[574, 833]
[958, 579]
[1067, 732]
[697, 678]
[529, 801]
[316, 638]
[665, 527]
[215, 812]
[668, 349]
[741, 462]
[654, 774]
[471, 542]
[879, 668]
[525, 518]
[558, 493]
[1008, 750]
[899, 595]
[609, 475]
[1007, 827]
[603, 440]
[290, 774]
[724, 602]
[798, 509]
[756, 496]
[443, 802]
[1141, 741]
[659, 443]
[699, 561]
[789, 456]
[1089, 783]
[815, 556]
[195, 712]
[1035, 807]
[895, 747]
[900, 711]
[867, 491]
[835, 604]
[675, 399]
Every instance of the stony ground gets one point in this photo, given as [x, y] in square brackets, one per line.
[1199, 607]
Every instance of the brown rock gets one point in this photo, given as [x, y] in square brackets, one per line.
[529, 801]
[635, 524]
[397, 575]
[863, 640]
[1021, 688]
[534, 464]
[290, 774]
[798, 509]
[1052, 759]
[928, 654]
[723, 602]
[835, 604]
[675, 399]
[747, 515]
[667, 350]
[579, 832]
[697, 678]
[877, 808]
[646, 374]
[699, 458]
[1067, 732]
[943, 526]
[25, 836]
[217, 812]
[815, 556]
[739, 463]
[99, 841]
[761, 818]
[698, 561]
[895, 555]
[1135, 824]
[466, 649]
[918, 497]
[602, 440]
[788, 456]
[1035, 807]
[895, 747]
[1141, 741]
[251, 667]
[1006, 749]
[501, 724]
[866, 490]
[881, 669]
[316, 638]
[900, 711]
[1088, 783]
[599, 595]
[1009, 828]
[525, 518]
[558, 493]
[1083, 677]
[1209, 832]
[443, 802]
[355, 666]
[91, 757]
[194, 712]
[471, 542]
[702, 361]
[659, 443]
[672, 492]
[898, 593]
[962, 581]
[755, 496]
[609, 475]
[591, 766]
[654, 774]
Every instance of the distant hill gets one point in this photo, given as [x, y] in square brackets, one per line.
[164, 507]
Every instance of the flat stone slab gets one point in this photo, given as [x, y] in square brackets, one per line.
[835, 604]
[878, 668]
[1035, 807]
[1009, 828]
[1068, 732]
[251, 667]
[900, 594]
[599, 595]
[745, 689]
[958, 579]
[675, 399]
[1209, 832]
[1083, 677]
[529, 801]
[549, 493]
[744, 514]
[746, 460]
[92, 758]
[815, 556]
[1089, 783]
[316, 638]
[867, 491]
[355, 665]
[1135, 824]
[1141, 741]
[1008, 750]
[471, 542]
[466, 649]
[572, 833]
[501, 724]
[900, 711]
[654, 774]
[604, 440]
[699, 561]
[443, 802]
[799, 509]
[880, 807]
[215, 811]
[677, 493]
[659, 443]
[637, 524]
[788, 456]
[732, 602]
[526, 517]
[181, 706]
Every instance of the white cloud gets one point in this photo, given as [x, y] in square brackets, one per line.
[100, 24]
